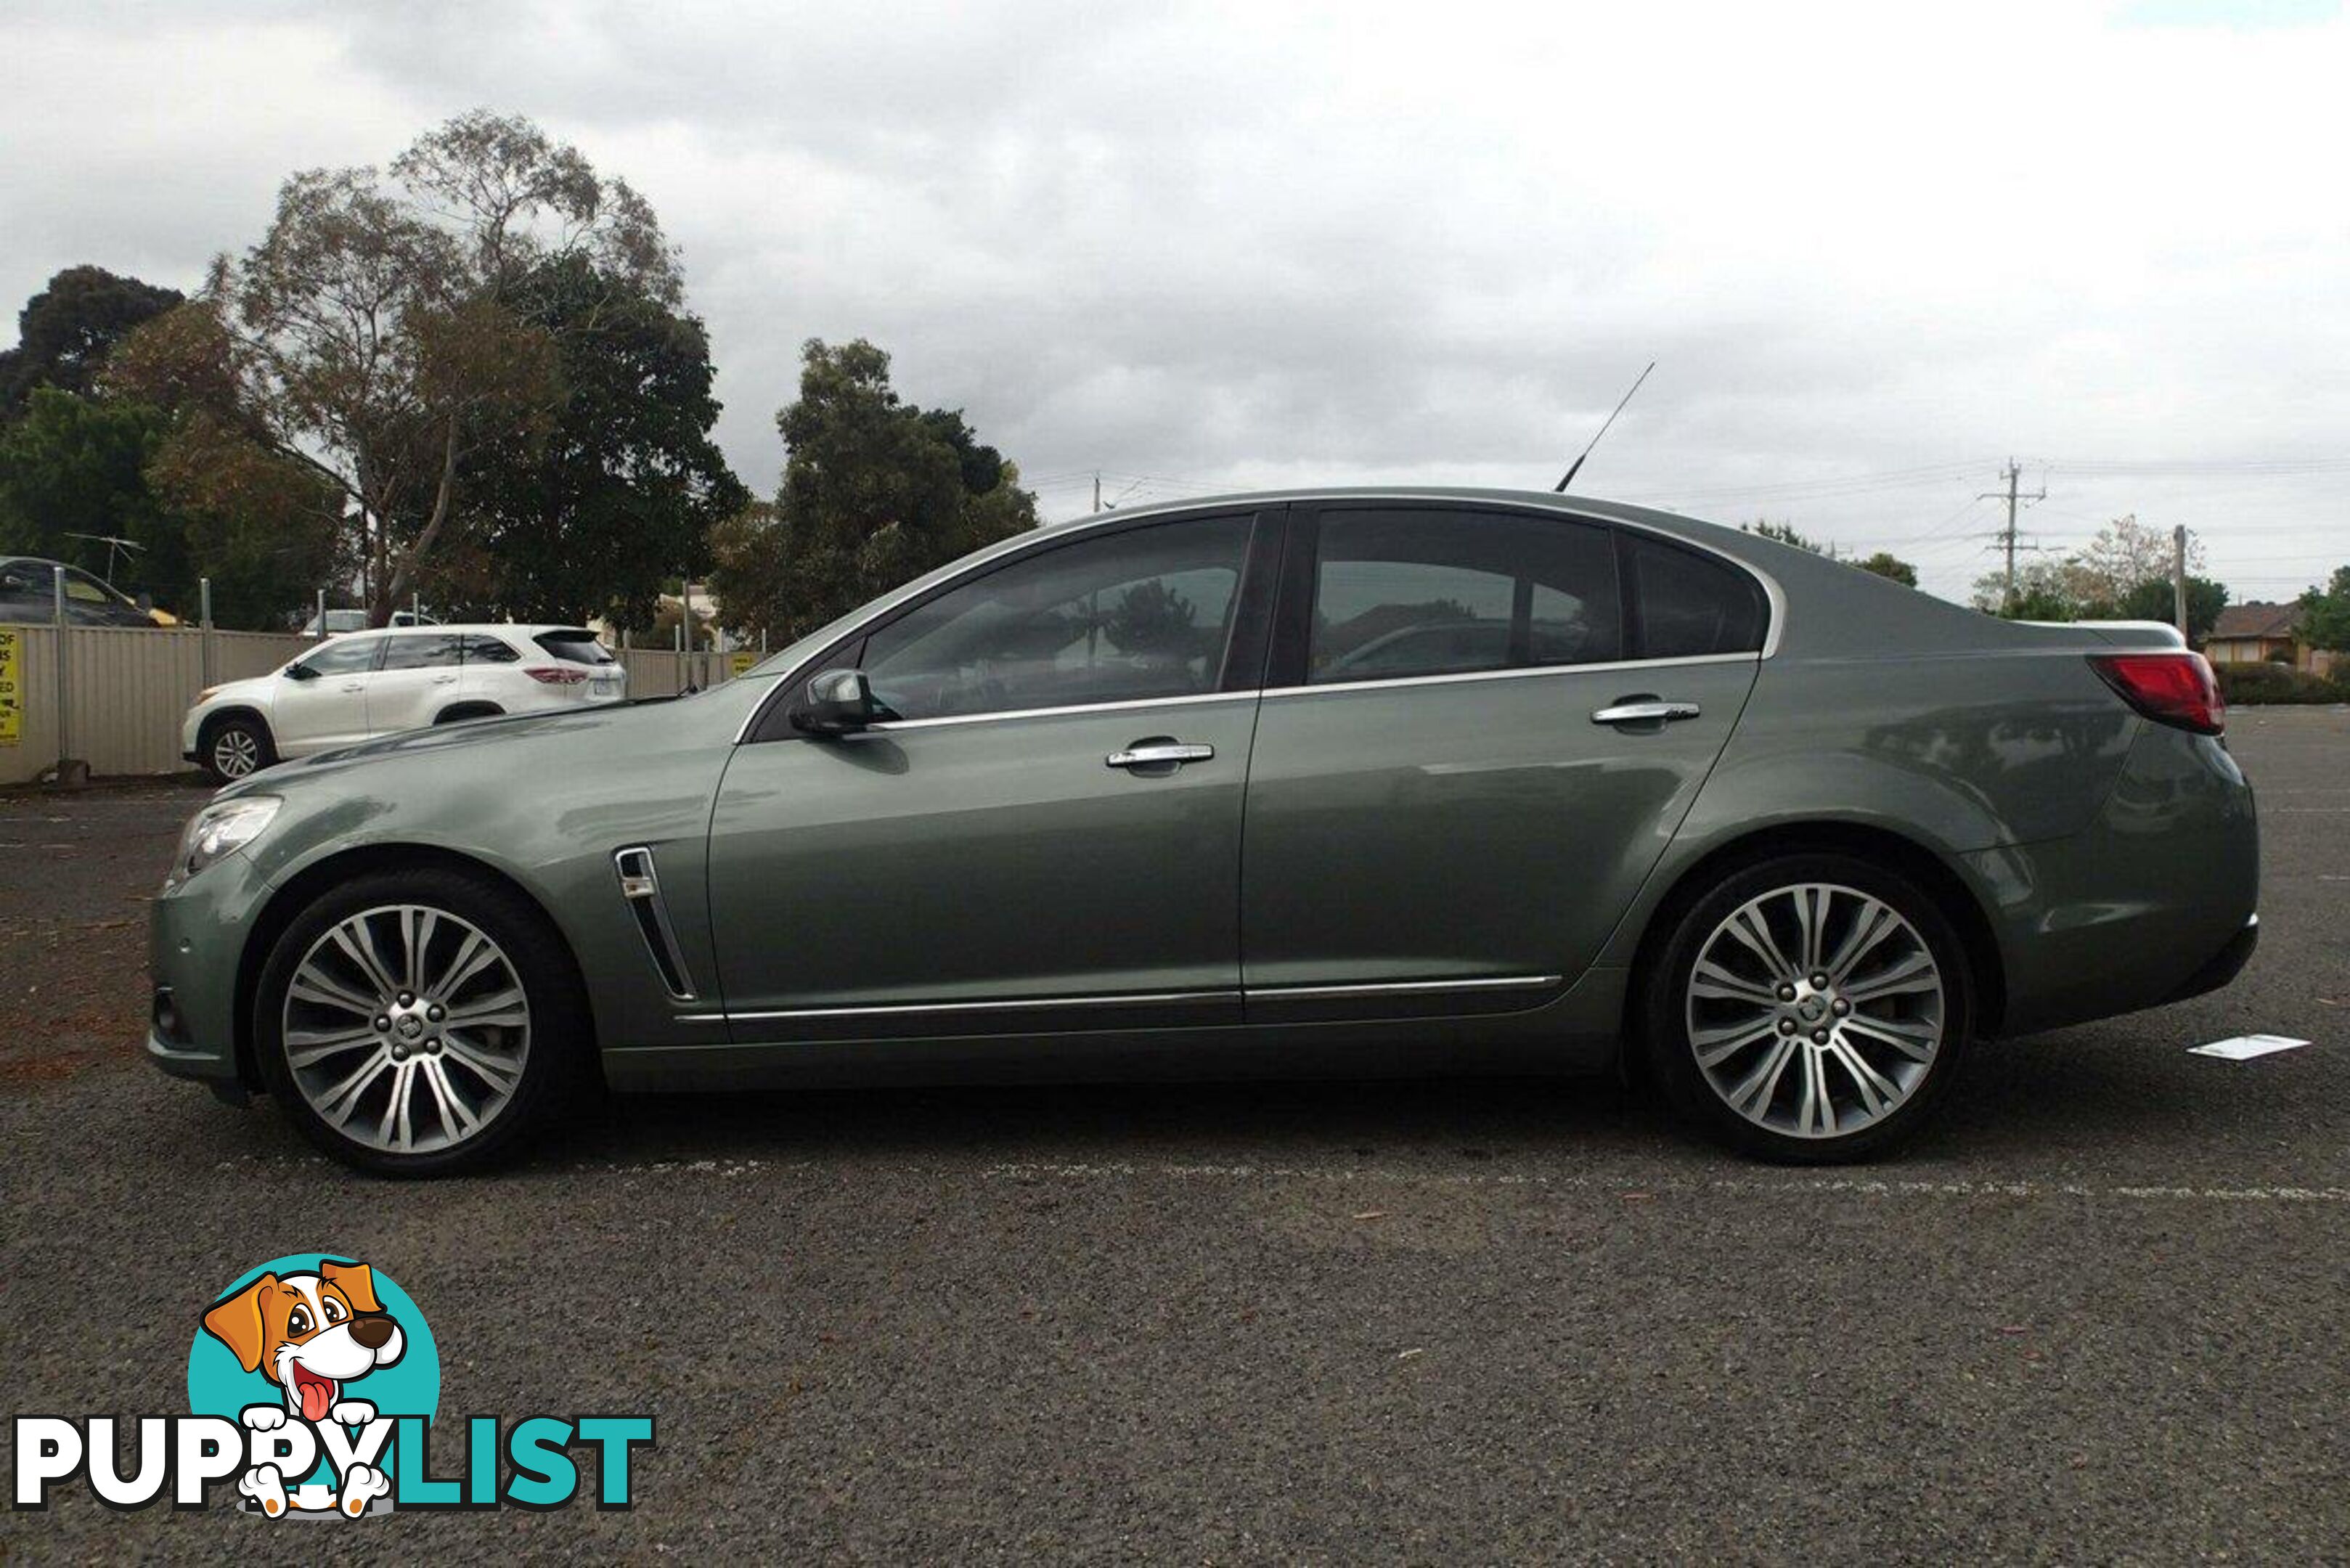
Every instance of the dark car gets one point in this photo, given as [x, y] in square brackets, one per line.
[1353, 782]
[29, 596]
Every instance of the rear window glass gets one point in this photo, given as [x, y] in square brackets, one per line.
[1685, 605]
[575, 647]
[489, 651]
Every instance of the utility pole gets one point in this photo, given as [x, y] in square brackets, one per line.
[2179, 576]
[1097, 491]
[2013, 473]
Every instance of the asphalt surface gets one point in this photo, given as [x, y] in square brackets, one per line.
[2097, 1314]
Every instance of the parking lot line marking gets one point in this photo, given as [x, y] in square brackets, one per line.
[1863, 1187]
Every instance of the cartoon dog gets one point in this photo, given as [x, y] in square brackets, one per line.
[311, 1334]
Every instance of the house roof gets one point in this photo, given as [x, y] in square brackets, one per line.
[2257, 619]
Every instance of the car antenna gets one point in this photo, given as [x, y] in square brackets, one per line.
[1576, 467]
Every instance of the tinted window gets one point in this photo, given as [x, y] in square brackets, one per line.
[1687, 604]
[419, 652]
[1143, 614]
[20, 579]
[86, 589]
[575, 647]
[490, 650]
[346, 656]
[1441, 592]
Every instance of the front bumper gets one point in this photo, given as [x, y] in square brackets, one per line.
[196, 935]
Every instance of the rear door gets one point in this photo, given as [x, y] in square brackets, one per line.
[328, 705]
[417, 678]
[1462, 769]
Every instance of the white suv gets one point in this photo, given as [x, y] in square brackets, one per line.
[351, 688]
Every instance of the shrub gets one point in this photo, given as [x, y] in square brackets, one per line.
[2256, 683]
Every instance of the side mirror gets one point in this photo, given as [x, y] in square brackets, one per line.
[300, 672]
[837, 703]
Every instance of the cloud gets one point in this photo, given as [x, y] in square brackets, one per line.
[1218, 244]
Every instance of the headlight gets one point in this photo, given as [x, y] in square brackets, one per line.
[222, 828]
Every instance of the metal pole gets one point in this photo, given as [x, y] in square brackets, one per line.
[58, 620]
[205, 614]
[2179, 576]
[322, 615]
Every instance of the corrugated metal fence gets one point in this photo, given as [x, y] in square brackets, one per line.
[128, 687]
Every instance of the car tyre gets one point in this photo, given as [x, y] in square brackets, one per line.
[1746, 1043]
[417, 1023]
[235, 747]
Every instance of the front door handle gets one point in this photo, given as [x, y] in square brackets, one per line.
[1159, 755]
[356, 686]
[1644, 712]
[444, 681]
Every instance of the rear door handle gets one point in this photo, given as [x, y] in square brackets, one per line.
[1158, 753]
[1644, 712]
[356, 686]
[444, 681]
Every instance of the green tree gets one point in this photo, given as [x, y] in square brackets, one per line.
[2154, 599]
[1886, 564]
[2325, 613]
[1784, 532]
[380, 331]
[625, 485]
[875, 491]
[66, 332]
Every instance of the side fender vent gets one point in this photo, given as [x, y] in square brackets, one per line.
[642, 887]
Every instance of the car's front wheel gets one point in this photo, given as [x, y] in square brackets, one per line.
[1810, 1008]
[235, 747]
[415, 1023]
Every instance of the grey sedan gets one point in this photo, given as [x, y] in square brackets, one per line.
[1328, 782]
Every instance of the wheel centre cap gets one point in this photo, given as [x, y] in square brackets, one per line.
[1812, 1008]
[410, 1026]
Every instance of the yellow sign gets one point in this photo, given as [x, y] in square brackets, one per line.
[740, 661]
[12, 687]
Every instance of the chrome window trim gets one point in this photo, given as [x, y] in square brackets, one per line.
[1043, 538]
[1008, 715]
[1520, 672]
[1005, 715]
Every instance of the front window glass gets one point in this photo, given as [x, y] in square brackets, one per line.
[1143, 614]
[346, 656]
[1430, 592]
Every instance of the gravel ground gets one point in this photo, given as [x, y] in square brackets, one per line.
[2097, 1314]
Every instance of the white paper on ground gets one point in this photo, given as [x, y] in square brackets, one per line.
[2244, 1048]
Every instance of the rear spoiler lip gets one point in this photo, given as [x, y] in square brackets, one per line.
[2124, 633]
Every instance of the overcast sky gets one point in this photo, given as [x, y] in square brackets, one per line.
[1875, 249]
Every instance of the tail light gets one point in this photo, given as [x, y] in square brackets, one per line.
[2174, 689]
[555, 675]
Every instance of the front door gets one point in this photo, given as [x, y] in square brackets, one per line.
[1449, 809]
[1046, 835]
[328, 705]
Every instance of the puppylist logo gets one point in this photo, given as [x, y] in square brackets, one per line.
[312, 1386]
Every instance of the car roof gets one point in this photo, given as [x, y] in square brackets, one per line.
[495, 628]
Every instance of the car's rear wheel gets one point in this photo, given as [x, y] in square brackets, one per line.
[416, 1024]
[237, 747]
[1810, 1008]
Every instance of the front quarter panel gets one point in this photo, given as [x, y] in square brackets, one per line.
[542, 801]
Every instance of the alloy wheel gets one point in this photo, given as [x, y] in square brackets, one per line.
[1815, 1010]
[407, 1029]
[235, 752]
